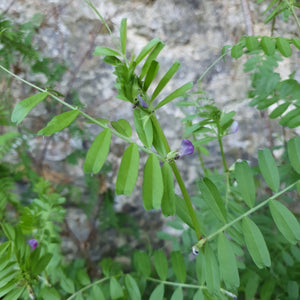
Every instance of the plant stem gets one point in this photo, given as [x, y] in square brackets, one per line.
[189, 286]
[87, 287]
[222, 151]
[179, 179]
[250, 211]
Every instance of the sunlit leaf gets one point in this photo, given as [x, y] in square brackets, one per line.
[178, 266]
[132, 287]
[122, 126]
[128, 171]
[115, 288]
[99, 50]
[59, 122]
[152, 183]
[227, 262]
[98, 152]
[269, 169]
[25, 106]
[177, 93]
[256, 244]
[168, 199]
[268, 45]
[285, 221]
[160, 264]
[166, 78]
[123, 35]
[283, 46]
[294, 153]
[245, 182]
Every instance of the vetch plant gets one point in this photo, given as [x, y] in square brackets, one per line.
[232, 229]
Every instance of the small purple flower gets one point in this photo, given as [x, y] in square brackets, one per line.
[234, 127]
[142, 101]
[33, 243]
[186, 148]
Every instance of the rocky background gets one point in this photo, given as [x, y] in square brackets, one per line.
[194, 32]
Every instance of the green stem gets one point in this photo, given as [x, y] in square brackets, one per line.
[189, 286]
[212, 65]
[178, 178]
[102, 125]
[222, 151]
[87, 287]
[250, 211]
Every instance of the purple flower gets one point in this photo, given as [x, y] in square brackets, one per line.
[186, 148]
[33, 243]
[142, 101]
[234, 127]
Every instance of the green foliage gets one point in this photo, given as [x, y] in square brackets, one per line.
[232, 221]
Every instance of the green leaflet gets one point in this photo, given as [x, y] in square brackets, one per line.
[284, 47]
[163, 82]
[132, 287]
[168, 199]
[97, 293]
[212, 276]
[178, 266]
[160, 264]
[153, 69]
[182, 211]
[122, 126]
[245, 182]
[128, 171]
[294, 153]
[152, 183]
[16, 293]
[227, 263]
[212, 197]
[251, 43]
[98, 152]
[269, 169]
[59, 122]
[285, 221]
[99, 50]
[158, 293]
[266, 290]
[67, 284]
[142, 263]
[146, 50]
[123, 34]
[143, 126]
[177, 93]
[279, 110]
[296, 43]
[200, 267]
[256, 244]
[154, 53]
[178, 294]
[237, 51]
[268, 45]
[199, 295]
[25, 106]
[115, 289]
